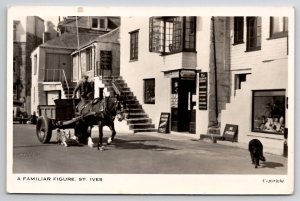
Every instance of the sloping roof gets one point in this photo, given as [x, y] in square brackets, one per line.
[69, 40]
[113, 22]
[110, 37]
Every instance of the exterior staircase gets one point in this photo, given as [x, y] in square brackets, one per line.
[137, 119]
[69, 92]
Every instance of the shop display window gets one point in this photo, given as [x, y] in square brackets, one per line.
[269, 111]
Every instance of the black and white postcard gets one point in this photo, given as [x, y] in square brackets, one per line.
[150, 100]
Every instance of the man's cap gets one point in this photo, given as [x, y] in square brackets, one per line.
[85, 76]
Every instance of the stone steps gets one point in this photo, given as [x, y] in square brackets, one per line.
[137, 119]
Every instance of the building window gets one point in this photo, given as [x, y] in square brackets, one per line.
[95, 23]
[35, 64]
[149, 91]
[239, 78]
[172, 34]
[238, 30]
[278, 27]
[98, 23]
[269, 111]
[253, 33]
[88, 53]
[102, 23]
[134, 40]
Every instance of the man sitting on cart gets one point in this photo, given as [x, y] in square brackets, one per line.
[86, 92]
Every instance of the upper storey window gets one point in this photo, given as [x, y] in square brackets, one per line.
[172, 34]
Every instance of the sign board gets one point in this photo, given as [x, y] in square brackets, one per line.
[164, 122]
[187, 74]
[203, 91]
[105, 60]
[230, 132]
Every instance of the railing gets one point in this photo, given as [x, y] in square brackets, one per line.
[56, 75]
[64, 74]
[53, 75]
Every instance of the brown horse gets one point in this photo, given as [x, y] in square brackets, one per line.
[102, 113]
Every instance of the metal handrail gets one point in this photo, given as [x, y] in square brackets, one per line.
[64, 74]
[50, 76]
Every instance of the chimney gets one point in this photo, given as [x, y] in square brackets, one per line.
[46, 37]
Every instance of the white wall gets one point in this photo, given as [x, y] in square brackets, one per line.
[152, 65]
[148, 65]
[269, 70]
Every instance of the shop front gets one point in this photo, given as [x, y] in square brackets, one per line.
[183, 106]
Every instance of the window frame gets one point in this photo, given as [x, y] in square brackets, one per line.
[134, 45]
[89, 59]
[280, 34]
[178, 40]
[98, 20]
[256, 28]
[97, 23]
[146, 101]
[253, 109]
[237, 25]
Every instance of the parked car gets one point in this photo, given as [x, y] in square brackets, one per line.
[19, 113]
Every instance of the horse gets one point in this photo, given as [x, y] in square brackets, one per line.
[102, 113]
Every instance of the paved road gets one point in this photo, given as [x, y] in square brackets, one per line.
[135, 154]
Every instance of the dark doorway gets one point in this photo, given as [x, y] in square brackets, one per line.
[101, 93]
[183, 110]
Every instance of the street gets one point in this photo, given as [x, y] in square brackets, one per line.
[135, 154]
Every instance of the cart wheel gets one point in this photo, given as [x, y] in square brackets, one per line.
[44, 129]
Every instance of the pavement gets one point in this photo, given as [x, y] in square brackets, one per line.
[141, 153]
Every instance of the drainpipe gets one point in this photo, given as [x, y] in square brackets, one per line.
[215, 68]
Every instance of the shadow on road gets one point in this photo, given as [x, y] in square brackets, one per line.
[137, 144]
[270, 164]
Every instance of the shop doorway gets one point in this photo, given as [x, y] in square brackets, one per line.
[183, 110]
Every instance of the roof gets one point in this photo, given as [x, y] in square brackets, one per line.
[113, 22]
[110, 37]
[69, 40]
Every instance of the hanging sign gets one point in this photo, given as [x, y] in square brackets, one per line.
[164, 122]
[203, 91]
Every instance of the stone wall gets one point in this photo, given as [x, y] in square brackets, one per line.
[221, 78]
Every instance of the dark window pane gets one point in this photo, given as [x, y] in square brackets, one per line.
[134, 45]
[238, 29]
[102, 23]
[253, 33]
[149, 91]
[94, 23]
[190, 33]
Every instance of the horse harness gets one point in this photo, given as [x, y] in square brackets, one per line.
[104, 110]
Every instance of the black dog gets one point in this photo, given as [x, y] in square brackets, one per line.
[256, 152]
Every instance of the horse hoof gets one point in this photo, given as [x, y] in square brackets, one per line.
[91, 145]
[101, 148]
[109, 141]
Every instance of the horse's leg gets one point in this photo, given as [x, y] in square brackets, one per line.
[113, 133]
[89, 133]
[100, 146]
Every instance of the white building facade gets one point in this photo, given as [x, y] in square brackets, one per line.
[210, 71]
